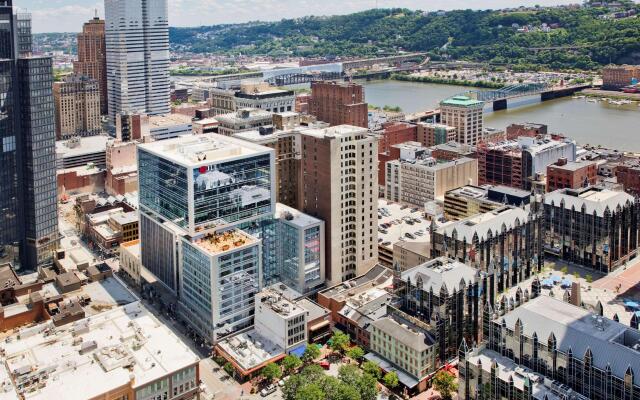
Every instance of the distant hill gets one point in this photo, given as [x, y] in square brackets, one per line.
[584, 38]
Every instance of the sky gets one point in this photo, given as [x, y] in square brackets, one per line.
[69, 15]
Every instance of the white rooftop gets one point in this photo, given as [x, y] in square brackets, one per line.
[129, 344]
[336, 131]
[81, 146]
[203, 150]
[295, 217]
[250, 349]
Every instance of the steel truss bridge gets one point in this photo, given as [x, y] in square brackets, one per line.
[508, 92]
[302, 77]
[500, 96]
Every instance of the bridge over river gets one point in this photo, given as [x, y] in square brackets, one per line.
[500, 97]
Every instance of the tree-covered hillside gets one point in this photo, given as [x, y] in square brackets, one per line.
[557, 37]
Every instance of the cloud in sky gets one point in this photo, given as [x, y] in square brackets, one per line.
[68, 15]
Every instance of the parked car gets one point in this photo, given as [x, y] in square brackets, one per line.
[268, 390]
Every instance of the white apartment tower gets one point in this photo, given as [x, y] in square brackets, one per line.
[340, 186]
[137, 39]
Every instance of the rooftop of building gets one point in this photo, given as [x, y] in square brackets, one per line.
[507, 369]
[574, 328]
[405, 333]
[340, 131]
[454, 147]
[463, 101]
[539, 145]
[81, 146]
[571, 165]
[206, 121]
[483, 224]
[280, 299]
[203, 150]
[367, 307]
[405, 224]
[8, 277]
[440, 272]
[244, 115]
[475, 192]
[313, 309]
[266, 135]
[250, 350]
[507, 190]
[218, 243]
[594, 199]
[93, 356]
[436, 125]
[379, 277]
[124, 218]
[161, 121]
[295, 217]
[435, 164]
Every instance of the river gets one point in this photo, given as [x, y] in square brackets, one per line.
[616, 127]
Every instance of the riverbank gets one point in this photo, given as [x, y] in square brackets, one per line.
[447, 81]
[610, 94]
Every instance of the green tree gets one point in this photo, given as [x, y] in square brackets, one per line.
[310, 392]
[310, 353]
[589, 278]
[335, 389]
[371, 368]
[564, 270]
[445, 384]
[291, 363]
[368, 387]
[270, 372]
[355, 353]
[339, 342]
[228, 368]
[391, 380]
[349, 374]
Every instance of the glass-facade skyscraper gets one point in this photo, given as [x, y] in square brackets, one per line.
[137, 41]
[206, 219]
[28, 214]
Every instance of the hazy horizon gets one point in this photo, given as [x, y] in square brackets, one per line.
[69, 15]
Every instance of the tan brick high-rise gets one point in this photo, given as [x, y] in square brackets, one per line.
[92, 60]
[77, 101]
[339, 103]
[339, 184]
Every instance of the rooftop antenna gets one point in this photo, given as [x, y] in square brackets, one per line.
[96, 13]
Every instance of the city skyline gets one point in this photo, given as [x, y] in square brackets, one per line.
[68, 15]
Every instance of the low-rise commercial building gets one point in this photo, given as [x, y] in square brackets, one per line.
[628, 175]
[432, 134]
[123, 353]
[528, 129]
[571, 174]
[355, 303]
[243, 120]
[130, 260]
[80, 151]
[466, 201]
[403, 344]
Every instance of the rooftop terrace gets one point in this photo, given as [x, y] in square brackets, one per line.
[216, 243]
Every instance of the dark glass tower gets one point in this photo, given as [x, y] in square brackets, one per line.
[28, 214]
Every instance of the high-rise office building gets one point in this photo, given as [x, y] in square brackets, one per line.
[92, 57]
[339, 178]
[204, 201]
[28, 216]
[137, 39]
[466, 115]
[339, 104]
[77, 100]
